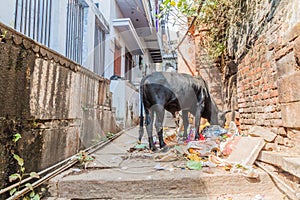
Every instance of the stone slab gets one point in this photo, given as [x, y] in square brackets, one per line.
[288, 88]
[292, 165]
[246, 150]
[290, 114]
[286, 185]
[105, 161]
[152, 184]
[265, 133]
[286, 65]
[288, 162]
[274, 158]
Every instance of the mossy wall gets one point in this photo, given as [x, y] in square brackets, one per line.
[57, 106]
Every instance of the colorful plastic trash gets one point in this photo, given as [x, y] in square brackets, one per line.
[194, 165]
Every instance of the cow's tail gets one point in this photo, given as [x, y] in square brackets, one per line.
[141, 130]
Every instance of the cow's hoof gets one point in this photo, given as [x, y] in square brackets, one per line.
[165, 149]
[162, 145]
[154, 149]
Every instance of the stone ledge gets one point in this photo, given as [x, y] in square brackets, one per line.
[288, 88]
[290, 114]
[287, 162]
[18, 38]
[292, 165]
[116, 183]
[287, 186]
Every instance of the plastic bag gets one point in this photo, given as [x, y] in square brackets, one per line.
[213, 131]
[196, 165]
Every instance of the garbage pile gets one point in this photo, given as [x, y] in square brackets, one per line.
[217, 148]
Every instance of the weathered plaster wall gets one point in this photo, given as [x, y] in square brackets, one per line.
[186, 56]
[126, 99]
[56, 105]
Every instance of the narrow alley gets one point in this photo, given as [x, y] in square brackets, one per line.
[84, 86]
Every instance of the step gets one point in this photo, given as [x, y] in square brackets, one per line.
[292, 165]
[146, 184]
[283, 180]
[117, 174]
[287, 162]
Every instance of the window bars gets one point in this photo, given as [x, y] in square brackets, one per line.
[33, 18]
[75, 28]
[99, 49]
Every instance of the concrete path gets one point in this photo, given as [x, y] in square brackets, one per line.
[118, 174]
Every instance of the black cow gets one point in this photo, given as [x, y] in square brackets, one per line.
[173, 92]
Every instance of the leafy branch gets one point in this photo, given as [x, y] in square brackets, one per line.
[20, 175]
[209, 19]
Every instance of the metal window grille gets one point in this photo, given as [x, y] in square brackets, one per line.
[33, 18]
[75, 26]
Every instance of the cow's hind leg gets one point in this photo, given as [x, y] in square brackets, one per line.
[160, 113]
[141, 129]
[149, 128]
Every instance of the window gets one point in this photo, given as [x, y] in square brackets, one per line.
[117, 60]
[99, 48]
[129, 63]
[75, 25]
[33, 18]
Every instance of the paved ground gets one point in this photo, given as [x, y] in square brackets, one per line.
[118, 174]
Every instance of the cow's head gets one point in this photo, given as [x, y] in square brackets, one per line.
[222, 117]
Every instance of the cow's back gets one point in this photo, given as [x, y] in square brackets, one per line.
[172, 90]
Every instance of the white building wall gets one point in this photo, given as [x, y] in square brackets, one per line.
[125, 110]
[106, 7]
[111, 11]
[58, 26]
[88, 41]
[126, 100]
[7, 12]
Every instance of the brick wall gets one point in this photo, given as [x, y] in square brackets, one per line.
[257, 90]
[265, 45]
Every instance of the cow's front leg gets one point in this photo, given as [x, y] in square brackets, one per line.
[149, 128]
[160, 113]
[185, 120]
[200, 107]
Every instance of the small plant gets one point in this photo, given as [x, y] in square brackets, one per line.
[84, 159]
[35, 124]
[109, 135]
[97, 139]
[21, 175]
[2, 36]
[17, 136]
